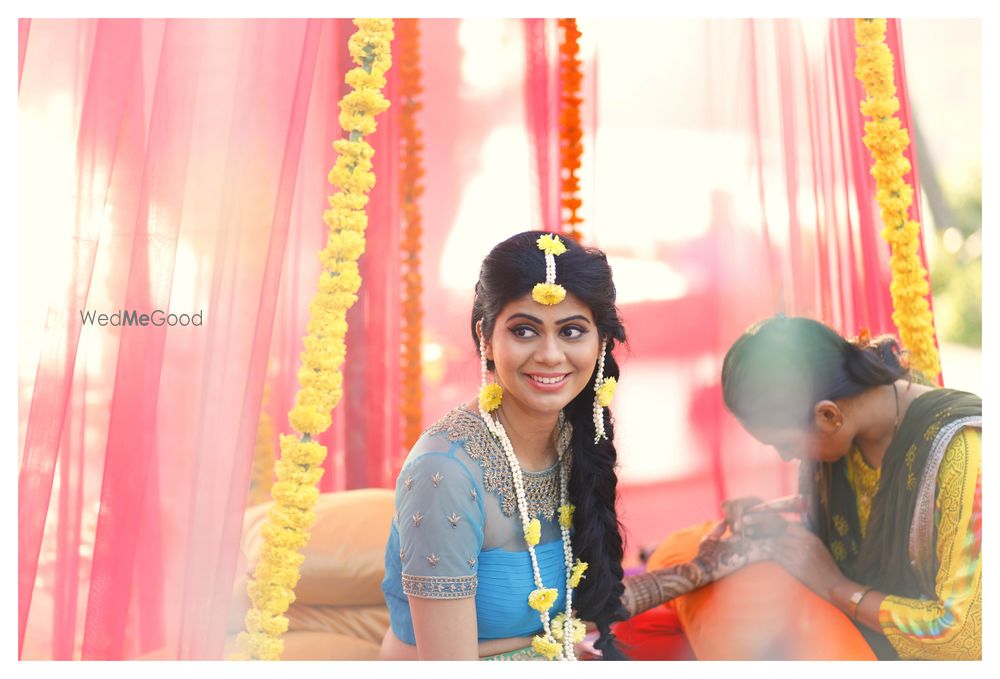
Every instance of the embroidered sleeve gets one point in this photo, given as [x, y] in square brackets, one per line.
[950, 627]
[440, 523]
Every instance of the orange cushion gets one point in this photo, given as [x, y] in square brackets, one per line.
[760, 612]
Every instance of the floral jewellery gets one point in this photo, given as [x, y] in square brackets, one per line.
[490, 393]
[549, 292]
[298, 471]
[564, 627]
[887, 140]
[604, 391]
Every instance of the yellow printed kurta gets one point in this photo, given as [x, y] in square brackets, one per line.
[949, 627]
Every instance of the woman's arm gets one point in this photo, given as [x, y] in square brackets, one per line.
[948, 627]
[716, 558]
[445, 628]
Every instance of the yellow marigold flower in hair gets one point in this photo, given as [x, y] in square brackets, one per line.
[566, 515]
[559, 623]
[546, 647]
[490, 397]
[548, 293]
[606, 391]
[542, 599]
[533, 533]
[578, 569]
[550, 245]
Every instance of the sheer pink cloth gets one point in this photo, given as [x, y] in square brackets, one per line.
[181, 165]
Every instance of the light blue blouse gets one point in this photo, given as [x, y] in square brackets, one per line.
[457, 533]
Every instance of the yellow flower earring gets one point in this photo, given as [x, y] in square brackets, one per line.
[604, 391]
[490, 393]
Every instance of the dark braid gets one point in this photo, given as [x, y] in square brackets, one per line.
[597, 539]
[508, 273]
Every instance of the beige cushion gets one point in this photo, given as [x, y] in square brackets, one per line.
[345, 556]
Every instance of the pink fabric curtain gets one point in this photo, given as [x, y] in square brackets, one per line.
[791, 226]
[181, 165]
[197, 155]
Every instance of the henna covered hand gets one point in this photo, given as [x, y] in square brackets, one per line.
[719, 556]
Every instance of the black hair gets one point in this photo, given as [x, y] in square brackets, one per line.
[508, 273]
[781, 367]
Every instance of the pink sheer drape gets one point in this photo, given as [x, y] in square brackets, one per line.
[792, 226]
[181, 165]
[200, 150]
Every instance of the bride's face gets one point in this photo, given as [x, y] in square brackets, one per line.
[544, 355]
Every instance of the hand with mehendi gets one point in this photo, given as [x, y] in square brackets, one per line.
[717, 557]
[753, 518]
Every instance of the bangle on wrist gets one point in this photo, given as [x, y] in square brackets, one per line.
[855, 600]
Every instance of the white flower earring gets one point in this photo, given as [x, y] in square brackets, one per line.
[604, 391]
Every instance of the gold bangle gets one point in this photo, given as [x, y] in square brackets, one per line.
[856, 600]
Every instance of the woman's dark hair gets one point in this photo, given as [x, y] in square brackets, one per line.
[508, 273]
[780, 368]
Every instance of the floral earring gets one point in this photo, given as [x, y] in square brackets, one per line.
[490, 393]
[604, 391]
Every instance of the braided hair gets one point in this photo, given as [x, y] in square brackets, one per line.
[508, 273]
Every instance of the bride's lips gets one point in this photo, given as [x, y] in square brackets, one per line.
[547, 382]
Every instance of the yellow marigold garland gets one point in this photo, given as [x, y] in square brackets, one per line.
[263, 455]
[411, 170]
[570, 129]
[886, 139]
[320, 381]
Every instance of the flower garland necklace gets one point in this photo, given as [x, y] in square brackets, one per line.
[564, 627]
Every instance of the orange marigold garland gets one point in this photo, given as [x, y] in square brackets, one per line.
[887, 140]
[570, 129]
[298, 471]
[411, 170]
